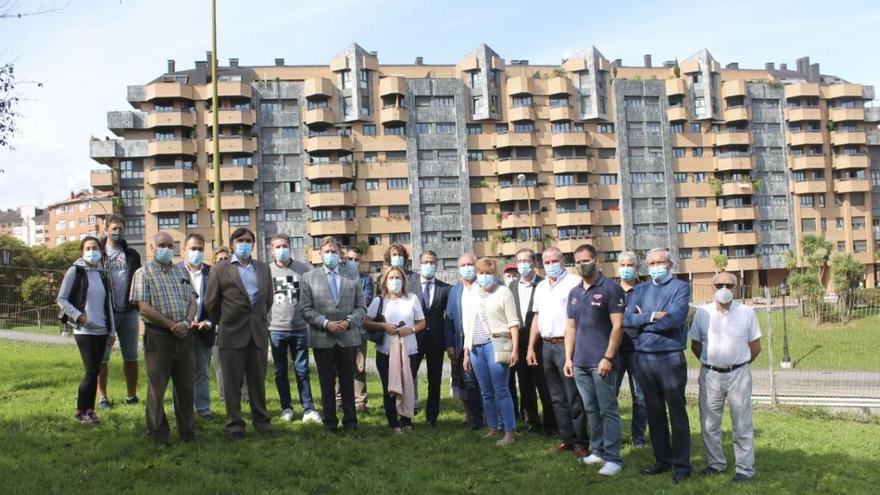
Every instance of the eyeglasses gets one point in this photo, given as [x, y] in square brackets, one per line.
[724, 286]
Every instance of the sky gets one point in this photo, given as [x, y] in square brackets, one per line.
[85, 55]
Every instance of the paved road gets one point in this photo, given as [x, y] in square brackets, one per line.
[795, 383]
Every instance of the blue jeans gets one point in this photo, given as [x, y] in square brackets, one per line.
[297, 344]
[202, 385]
[493, 379]
[639, 410]
[600, 402]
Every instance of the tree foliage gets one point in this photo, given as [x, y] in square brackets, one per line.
[846, 275]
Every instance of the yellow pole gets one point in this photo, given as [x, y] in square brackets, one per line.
[215, 107]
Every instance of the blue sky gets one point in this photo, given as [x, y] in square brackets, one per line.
[86, 55]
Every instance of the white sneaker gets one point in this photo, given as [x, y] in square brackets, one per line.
[610, 469]
[592, 459]
[287, 415]
[311, 417]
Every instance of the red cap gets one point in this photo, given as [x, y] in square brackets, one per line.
[510, 267]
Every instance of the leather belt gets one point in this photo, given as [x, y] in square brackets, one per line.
[555, 340]
[724, 370]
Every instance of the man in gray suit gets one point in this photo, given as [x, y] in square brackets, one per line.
[332, 303]
[239, 297]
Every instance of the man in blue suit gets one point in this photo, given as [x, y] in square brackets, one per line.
[193, 256]
[464, 382]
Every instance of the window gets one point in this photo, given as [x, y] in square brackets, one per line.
[395, 131]
[444, 101]
[371, 185]
[821, 198]
[426, 154]
[677, 152]
[839, 223]
[521, 101]
[523, 127]
[169, 220]
[447, 154]
[474, 129]
[653, 127]
[860, 246]
[610, 205]
[423, 128]
[611, 231]
[345, 79]
[700, 202]
[273, 216]
[697, 152]
[395, 156]
[841, 246]
[682, 202]
[683, 228]
[369, 129]
[475, 155]
[445, 127]
[680, 177]
[808, 225]
[632, 101]
[608, 179]
[192, 220]
[501, 128]
[858, 223]
[605, 128]
[704, 252]
[699, 177]
[400, 238]
[702, 226]
[374, 240]
[423, 101]
[371, 157]
[676, 128]
[807, 200]
[685, 253]
[695, 128]
[700, 105]
[397, 183]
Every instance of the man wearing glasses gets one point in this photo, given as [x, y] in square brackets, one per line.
[725, 336]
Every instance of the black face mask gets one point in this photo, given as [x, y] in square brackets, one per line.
[587, 269]
[115, 236]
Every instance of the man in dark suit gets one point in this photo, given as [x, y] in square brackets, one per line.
[193, 256]
[332, 303]
[531, 378]
[433, 293]
[239, 297]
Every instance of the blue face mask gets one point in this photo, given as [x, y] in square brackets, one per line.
[485, 280]
[658, 272]
[524, 268]
[626, 272]
[163, 254]
[195, 257]
[554, 269]
[243, 249]
[352, 268]
[331, 260]
[397, 261]
[428, 270]
[467, 272]
[282, 254]
[395, 285]
[92, 257]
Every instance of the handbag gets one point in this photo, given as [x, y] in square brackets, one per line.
[502, 344]
[378, 336]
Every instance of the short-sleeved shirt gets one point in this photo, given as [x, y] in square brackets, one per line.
[407, 309]
[167, 288]
[117, 265]
[549, 303]
[591, 310]
[725, 336]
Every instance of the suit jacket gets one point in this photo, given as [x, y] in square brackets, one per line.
[230, 308]
[210, 336]
[454, 330]
[317, 305]
[432, 337]
[526, 326]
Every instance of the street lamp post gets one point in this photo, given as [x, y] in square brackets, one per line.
[786, 358]
[215, 107]
[521, 178]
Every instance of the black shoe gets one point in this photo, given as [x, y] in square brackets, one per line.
[710, 471]
[551, 434]
[130, 401]
[655, 469]
[432, 424]
[679, 477]
[742, 478]
[533, 428]
[236, 435]
[330, 429]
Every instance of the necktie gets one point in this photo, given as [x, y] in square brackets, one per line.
[426, 294]
[334, 290]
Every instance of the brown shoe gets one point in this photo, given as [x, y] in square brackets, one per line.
[562, 447]
[580, 452]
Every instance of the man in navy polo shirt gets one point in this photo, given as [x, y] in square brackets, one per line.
[592, 336]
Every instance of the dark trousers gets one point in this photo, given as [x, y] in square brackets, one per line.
[168, 357]
[337, 363]
[663, 378]
[531, 380]
[434, 358]
[389, 402]
[571, 421]
[248, 363]
[628, 364]
[91, 350]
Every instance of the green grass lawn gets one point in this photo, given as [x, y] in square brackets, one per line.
[45, 451]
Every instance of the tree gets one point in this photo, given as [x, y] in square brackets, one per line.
[846, 273]
[720, 262]
[805, 286]
[817, 251]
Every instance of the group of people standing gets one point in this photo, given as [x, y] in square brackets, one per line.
[566, 339]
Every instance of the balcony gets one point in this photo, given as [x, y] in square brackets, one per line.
[168, 119]
[521, 113]
[568, 139]
[848, 137]
[562, 112]
[172, 204]
[515, 139]
[733, 162]
[797, 114]
[318, 86]
[330, 199]
[742, 264]
[516, 165]
[328, 143]
[516, 193]
[484, 195]
[102, 179]
[809, 187]
[520, 219]
[851, 185]
[803, 162]
[232, 144]
[104, 205]
[733, 138]
[739, 238]
[676, 87]
[317, 171]
[392, 85]
[335, 226]
[235, 201]
[385, 224]
[570, 165]
[166, 90]
[677, 113]
[601, 140]
[520, 85]
[733, 114]
[172, 176]
[843, 90]
[560, 85]
[850, 161]
[733, 88]
[235, 173]
[801, 89]
[576, 191]
[732, 214]
[575, 218]
[393, 115]
[736, 188]
[384, 197]
[319, 116]
[803, 138]
[171, 147]
[233, 88]
[842, 114]
[229, 116]
[510, 248]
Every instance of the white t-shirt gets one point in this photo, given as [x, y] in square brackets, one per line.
[550, 304]
[408, 309]
[725, 337]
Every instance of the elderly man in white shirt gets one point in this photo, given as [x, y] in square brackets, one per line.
[725, 336]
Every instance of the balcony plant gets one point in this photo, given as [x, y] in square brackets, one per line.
[720, 261]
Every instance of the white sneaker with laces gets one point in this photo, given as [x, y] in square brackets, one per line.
[592, 459]
[287, 415]
[311, 417]
[610, 469]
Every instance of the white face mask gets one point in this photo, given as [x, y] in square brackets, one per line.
[724, 295]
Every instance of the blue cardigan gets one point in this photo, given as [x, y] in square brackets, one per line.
[667, 334]
[453, 331]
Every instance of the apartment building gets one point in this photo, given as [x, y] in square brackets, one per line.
[26, 223]
[77, 216]
[492, 156]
